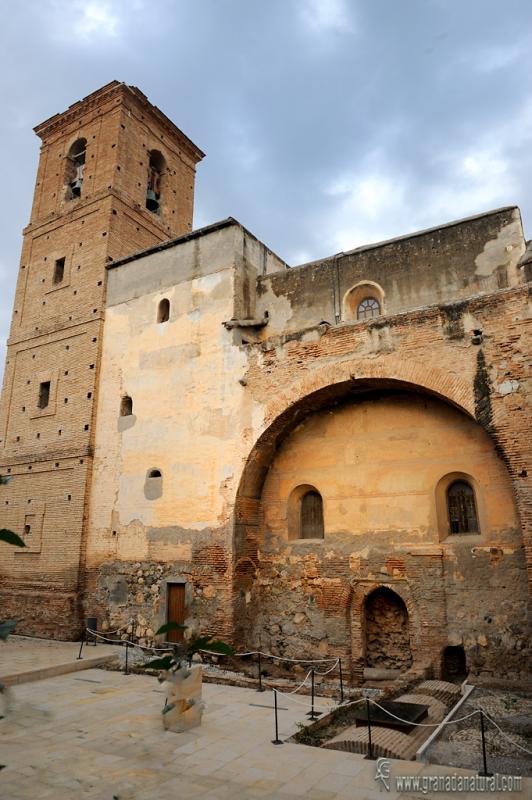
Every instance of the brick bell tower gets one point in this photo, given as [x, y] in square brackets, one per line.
[115, 176]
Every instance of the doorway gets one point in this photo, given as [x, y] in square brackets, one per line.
[454, 667]
[176, 610]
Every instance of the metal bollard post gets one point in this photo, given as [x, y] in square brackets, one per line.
[80, 657]
[126, 668]
[341, 681]
[312, 714]
[370, 744]
[261, 688]
[484, 761]
[276, 740]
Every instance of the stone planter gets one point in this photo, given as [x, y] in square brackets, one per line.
[184, 706]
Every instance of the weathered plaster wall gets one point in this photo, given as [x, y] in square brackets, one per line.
[377, 463]
[215, 406]
[190, 417]
[442, 265]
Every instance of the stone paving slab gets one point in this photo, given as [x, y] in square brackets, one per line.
[98, 736]
[24, 658]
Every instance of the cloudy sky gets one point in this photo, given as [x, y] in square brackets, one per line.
[327, 123]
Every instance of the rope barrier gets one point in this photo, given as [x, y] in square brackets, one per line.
[419, 724]
[278, 658]
[289, 696]
[328, 670]
[212, 653]
[297, 687]
[520, 747]
[133, 644]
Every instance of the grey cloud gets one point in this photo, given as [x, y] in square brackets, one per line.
[326, 122]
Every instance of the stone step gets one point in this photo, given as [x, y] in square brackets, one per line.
[447, 692]
[57, 669]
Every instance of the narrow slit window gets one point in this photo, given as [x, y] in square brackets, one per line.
[311, 516]
[462, 508]
[163, 311]
[59, 271]
[44, 394]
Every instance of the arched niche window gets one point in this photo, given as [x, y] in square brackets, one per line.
[153, 485]
[126, 406]
[163, 310]
[461, 508]
[304, 515]
[156, 167]
[368, 308]
[75, 166]
[311, 516]
[363, 301]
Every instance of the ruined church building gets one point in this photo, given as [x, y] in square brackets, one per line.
[323, 460]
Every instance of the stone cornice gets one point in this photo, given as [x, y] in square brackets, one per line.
[109, 92]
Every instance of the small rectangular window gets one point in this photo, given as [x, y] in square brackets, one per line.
[59, 271]
[44, 394]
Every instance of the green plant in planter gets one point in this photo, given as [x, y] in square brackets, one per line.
[183, 653]
[183, 707]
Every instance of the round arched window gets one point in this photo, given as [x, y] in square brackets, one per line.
[368, 308]
[311, 516]
[462, 508]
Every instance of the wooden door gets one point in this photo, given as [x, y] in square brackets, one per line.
[176, 609]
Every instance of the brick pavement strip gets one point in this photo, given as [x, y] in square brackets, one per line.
[99, 735]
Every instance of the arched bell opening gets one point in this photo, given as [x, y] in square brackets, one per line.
[75, 167]
[154, 189]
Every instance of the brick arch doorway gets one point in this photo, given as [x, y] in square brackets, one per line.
[386, 631]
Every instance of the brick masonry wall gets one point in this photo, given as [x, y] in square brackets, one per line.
[435, 350]
[56, 334]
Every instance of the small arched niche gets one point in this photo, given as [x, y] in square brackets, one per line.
[163, 310]
[154, 189]
[305, 513]
[386, 624]
[126, 406]
[363, 301]
[74, 169]
[453, 664]
[153, 485]
[457, 505]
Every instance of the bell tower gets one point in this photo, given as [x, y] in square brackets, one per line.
[115, 176]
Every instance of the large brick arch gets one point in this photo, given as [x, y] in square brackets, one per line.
[332, 382]
[412, 375]
[322, 386]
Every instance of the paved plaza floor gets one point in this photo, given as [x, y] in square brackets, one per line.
[98, 734]
[22, 655]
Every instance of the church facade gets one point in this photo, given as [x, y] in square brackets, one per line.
[321, 460]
